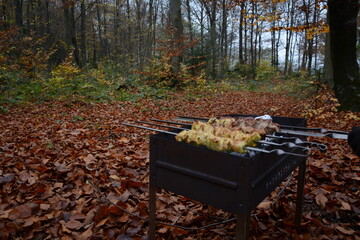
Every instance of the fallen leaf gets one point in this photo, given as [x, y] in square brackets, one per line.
[321, 200]
[78, 216]
[89, 159]
[24, 175]
[14, 214]
[86, 235]
[101, 213]
[124, 140]
[163, 230]
[345, 206]
[115, 177]
[124, 218]
[32, 180]
[62, 168]
[125, 196]
[73, 224]
[115, 210]
[5, 214]
[44, 206]
[90, 216]
[28, 222]
[345, 231]
[264, 205]
[25, 210]
[58, 185]
[102, 222]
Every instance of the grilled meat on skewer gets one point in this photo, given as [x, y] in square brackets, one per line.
[247, 124]
[216, 143]
[225, 132]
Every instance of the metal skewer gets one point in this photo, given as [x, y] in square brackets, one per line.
[171, 122]
[301, 131]
[295, 140]
[160, 125]
[285, 144]
[147, 128]
[276, 151]
[298, 141]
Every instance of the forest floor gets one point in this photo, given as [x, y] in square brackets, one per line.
[57, 159]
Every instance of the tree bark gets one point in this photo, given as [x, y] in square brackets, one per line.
[69, 15]
[190, 26]
[18, 14]
[224, 40]
[342, 21]
[177, 29]
[241, 36]
[83, 32]
[328, 74]
[289, 33]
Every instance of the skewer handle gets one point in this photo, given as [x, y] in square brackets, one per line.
[276, 151]
[147, 128]
[160, 125]
[295, 130]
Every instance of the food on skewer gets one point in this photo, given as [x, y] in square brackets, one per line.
[217, 143]
[228, 134]
[222, 122]
[224, 132]
[247, 124]
[218, 138]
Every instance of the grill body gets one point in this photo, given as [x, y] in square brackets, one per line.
[232, 182]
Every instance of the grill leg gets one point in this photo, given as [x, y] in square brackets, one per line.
[300, 195]
[242, 226]
[152, 211]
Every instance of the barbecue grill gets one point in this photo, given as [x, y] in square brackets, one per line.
[236, 183]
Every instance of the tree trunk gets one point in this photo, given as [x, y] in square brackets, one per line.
[212, 17]
[289, 33]
[328, 74]
[83, 32]
[101, 52]
[210, 8]
[69, 15]
[190, 26]
[150, 30]
[18, 14]
[202, 27]
[311, 41]
[241, 36]
[273, 38]
[177, 29]
[47, 16]
[342, 20]
[223, 40]
[139, 34]
[252, 35]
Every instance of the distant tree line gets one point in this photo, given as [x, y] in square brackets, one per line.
[291, 35]
[226, 31]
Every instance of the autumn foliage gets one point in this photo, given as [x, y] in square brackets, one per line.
[57, 158]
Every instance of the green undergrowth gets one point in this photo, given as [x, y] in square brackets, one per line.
[101, 84]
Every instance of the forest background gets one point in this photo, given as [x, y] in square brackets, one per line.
[53, 49]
